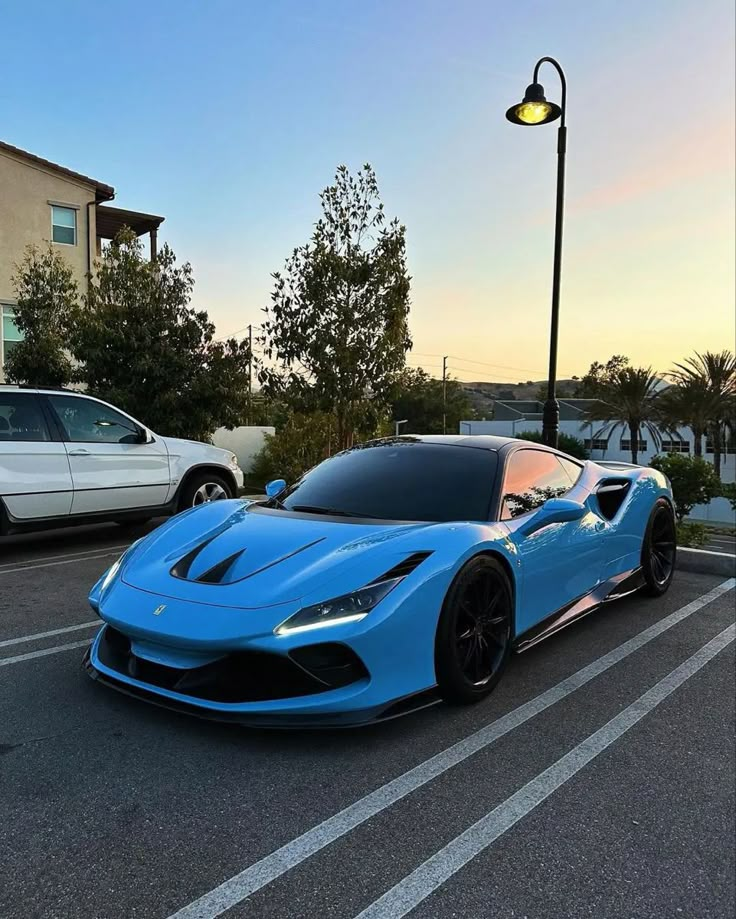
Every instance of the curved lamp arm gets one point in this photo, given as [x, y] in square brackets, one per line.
[563, 82]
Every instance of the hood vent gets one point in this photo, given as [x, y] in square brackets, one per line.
[404, 567]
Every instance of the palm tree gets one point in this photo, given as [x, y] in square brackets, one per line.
[716, 375]
[690, 405]
[629, 399]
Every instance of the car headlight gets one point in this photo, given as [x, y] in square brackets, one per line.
[350, 607]
[233, 460]
[114, 569]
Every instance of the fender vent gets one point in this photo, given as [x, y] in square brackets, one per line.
[404, 567]
[610, 494]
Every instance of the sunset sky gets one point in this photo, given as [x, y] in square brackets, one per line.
[229, 117]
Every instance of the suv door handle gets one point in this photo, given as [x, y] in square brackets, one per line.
[80, 452]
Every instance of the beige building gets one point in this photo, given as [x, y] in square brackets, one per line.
[41, 203]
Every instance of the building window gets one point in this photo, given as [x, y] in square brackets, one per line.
[676, 446]
[597, 443]
[9, 332]
[626, 445]
[726, 446]
[64, 225]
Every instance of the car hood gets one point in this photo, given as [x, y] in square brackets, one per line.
[239, 554]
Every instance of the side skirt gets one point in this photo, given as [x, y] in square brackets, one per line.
[619, 586]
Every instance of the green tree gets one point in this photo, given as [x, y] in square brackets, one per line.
[627, 397]
[693, 480]
[418, 398]
[46, 295]
[599, 377]
[336, 330]
[714, 375]
[573, 446]
[141, 345]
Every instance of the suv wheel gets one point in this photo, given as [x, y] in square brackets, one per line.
[203, 488]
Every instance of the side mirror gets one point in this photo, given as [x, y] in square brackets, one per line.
[275, 487]
[556, 510]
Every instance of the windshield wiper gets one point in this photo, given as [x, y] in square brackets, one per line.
[330, 511]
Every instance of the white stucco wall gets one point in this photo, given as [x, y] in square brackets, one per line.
[245, 442]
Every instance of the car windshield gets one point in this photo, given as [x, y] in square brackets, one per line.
[399, 480]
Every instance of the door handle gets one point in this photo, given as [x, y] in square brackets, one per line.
[80, 452]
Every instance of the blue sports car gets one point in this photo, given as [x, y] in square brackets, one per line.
[392, 574]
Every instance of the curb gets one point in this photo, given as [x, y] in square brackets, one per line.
[706, 562]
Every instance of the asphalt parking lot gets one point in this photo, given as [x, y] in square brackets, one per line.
[598, 780]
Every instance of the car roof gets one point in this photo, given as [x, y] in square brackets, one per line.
[479, 441]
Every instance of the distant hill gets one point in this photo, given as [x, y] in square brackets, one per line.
[482, 394]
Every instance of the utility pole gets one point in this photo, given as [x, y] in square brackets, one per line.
[250, 373]
[444, 394]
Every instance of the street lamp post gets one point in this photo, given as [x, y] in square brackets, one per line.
[532, 110]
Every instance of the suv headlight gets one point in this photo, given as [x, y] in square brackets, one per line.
[350, 607]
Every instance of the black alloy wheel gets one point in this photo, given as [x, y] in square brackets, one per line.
[474, 632]
[659, 551]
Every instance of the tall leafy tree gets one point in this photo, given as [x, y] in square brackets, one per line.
[628, 398]
[336, 331]
[600, 376]
[47, 298]
[715, 375]
[141, 345]
[418, 398]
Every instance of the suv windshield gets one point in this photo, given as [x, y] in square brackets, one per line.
[399, 480]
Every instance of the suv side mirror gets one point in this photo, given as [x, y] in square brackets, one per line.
[556, 510]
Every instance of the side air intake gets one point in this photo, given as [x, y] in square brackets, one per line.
[610, 494]
[404, 567]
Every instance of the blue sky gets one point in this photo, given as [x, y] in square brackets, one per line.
[229, 117]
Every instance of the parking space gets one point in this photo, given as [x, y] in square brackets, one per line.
[597, 780]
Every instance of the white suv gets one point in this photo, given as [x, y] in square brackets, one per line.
[66, 457]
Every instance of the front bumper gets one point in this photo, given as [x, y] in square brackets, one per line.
[111, 663]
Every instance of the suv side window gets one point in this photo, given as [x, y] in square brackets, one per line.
[85, 421]
[21, 418]
[532, 477]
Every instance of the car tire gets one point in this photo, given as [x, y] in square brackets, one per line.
[202, 488]
[474, 632]
[659, 549]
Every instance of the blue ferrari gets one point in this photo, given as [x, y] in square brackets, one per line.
[393, 574]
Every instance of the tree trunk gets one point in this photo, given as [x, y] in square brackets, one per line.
[716, 435]
[697, 441]
[634, 434]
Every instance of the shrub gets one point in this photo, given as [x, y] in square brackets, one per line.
[694, 535]
[568, 444]
[693, 480]
[301, 442]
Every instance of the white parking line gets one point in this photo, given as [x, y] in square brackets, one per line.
[417, 886]
[44, 652]
[272, 866]
[67, 561]
[51, 558]
[39, 635]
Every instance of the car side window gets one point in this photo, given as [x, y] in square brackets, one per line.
[572, 469]
[85, 421]
[532, 477]
[21, 418]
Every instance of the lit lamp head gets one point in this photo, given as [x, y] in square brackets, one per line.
[534, 108]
